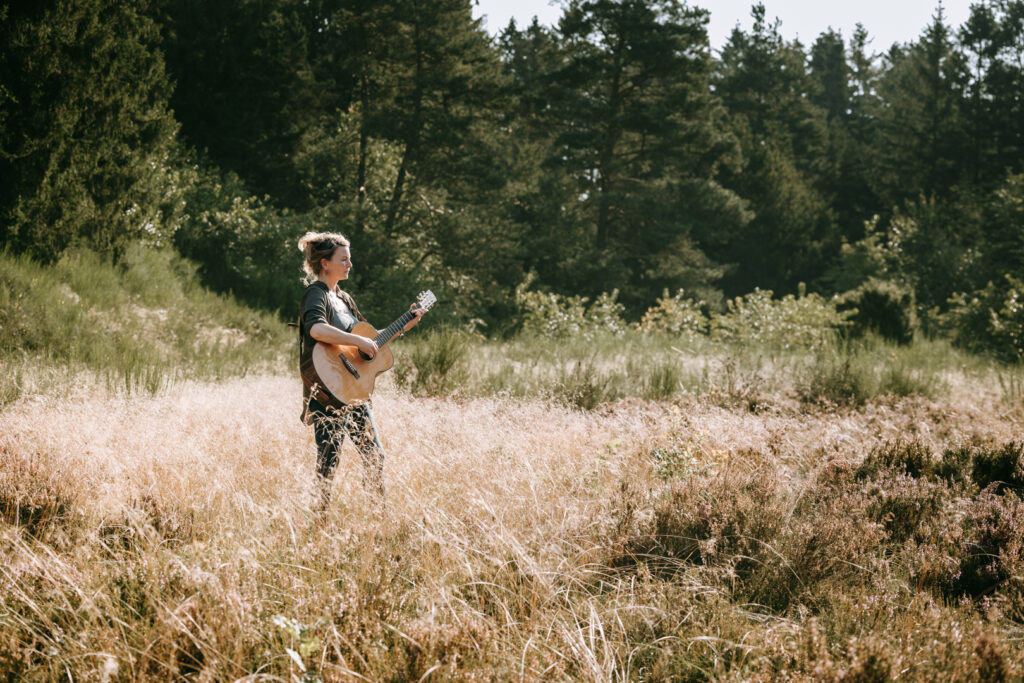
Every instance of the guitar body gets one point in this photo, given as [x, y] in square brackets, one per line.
[340, 375]
[338, 378]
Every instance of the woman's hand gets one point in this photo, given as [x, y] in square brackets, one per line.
[367, 346]
[416, 311]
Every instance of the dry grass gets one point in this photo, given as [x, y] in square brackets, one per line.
[171, 536]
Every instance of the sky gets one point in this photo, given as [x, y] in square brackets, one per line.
[887, 21]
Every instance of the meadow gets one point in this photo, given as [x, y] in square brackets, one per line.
[608, 507]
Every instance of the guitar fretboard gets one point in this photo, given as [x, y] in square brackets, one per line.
[392, 330]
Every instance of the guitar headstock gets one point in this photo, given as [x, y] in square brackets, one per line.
[426, 299]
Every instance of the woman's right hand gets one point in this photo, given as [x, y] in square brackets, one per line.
[368, 346]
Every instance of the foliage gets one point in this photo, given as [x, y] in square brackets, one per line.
[633, 140]
[763, 82]
[437, 361]
[807, 321]
[675, 315]
[614, 151]
[922, 130]
[244, 90]
[140, 324]
[991, 319]
[87, 137]
[550, 314]
[851, 373]
[244, 246]
[881, 307]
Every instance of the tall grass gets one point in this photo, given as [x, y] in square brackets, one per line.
[172, 537]
[854, 371]
[605, 368]
[541, 522]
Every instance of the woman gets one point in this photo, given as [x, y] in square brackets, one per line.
[328, 314]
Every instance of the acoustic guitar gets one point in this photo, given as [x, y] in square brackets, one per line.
[342, 375]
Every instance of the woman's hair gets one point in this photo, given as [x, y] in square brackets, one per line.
[319, 245]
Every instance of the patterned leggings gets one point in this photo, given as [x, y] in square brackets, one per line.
[329, 429]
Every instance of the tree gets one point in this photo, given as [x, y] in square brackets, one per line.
[993, 43]
[638, 135]
[86, 136]
[764, 84]
[843, 87]
[244, 91]
[922, 141]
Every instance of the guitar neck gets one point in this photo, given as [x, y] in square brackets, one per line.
[392, 330]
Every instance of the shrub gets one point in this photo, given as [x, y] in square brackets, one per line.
[827, 539]
[807, 321]
[990, 320]
[12, 383]
[584, 386]
[992, 552]
[899, 379]
[726, 518]
[883, 307]
[553, 315]
[1003, 466]
[31, 496]
[242, 244]
[676, 315]
[911, 458]
[661, 379]
[438, 360]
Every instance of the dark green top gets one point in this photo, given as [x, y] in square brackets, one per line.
[319, 307]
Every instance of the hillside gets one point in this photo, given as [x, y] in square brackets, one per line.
[140, 325]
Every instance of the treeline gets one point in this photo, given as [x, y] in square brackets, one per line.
[615, 151]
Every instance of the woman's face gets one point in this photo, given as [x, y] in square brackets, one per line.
[338, 265]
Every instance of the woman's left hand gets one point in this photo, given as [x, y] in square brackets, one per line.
[416, 311]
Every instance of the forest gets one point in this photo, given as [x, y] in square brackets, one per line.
[615, 153]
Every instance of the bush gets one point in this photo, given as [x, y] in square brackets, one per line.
[910, 458]
[840, 378]
[883, 307]
[807, 321]
[1003, 466]
[584, 386]
[438, 361]
[990, 320]
[242, 244]
[553, 315]
[140, 323]
[33, 497]
[850, 373]
[992, 550]
[675, 315]
[12, 383]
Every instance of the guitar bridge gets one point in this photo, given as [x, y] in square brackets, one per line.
[348, 365]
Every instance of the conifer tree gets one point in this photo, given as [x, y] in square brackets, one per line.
[86, 135]
[244, 89]
[923, 145]
[765, 86]
[638, 135]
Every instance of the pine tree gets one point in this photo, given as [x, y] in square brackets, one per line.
[765, 86]
[922, 142]
[637, 133]
[993, 43]
[244, 88]
[86, 135]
